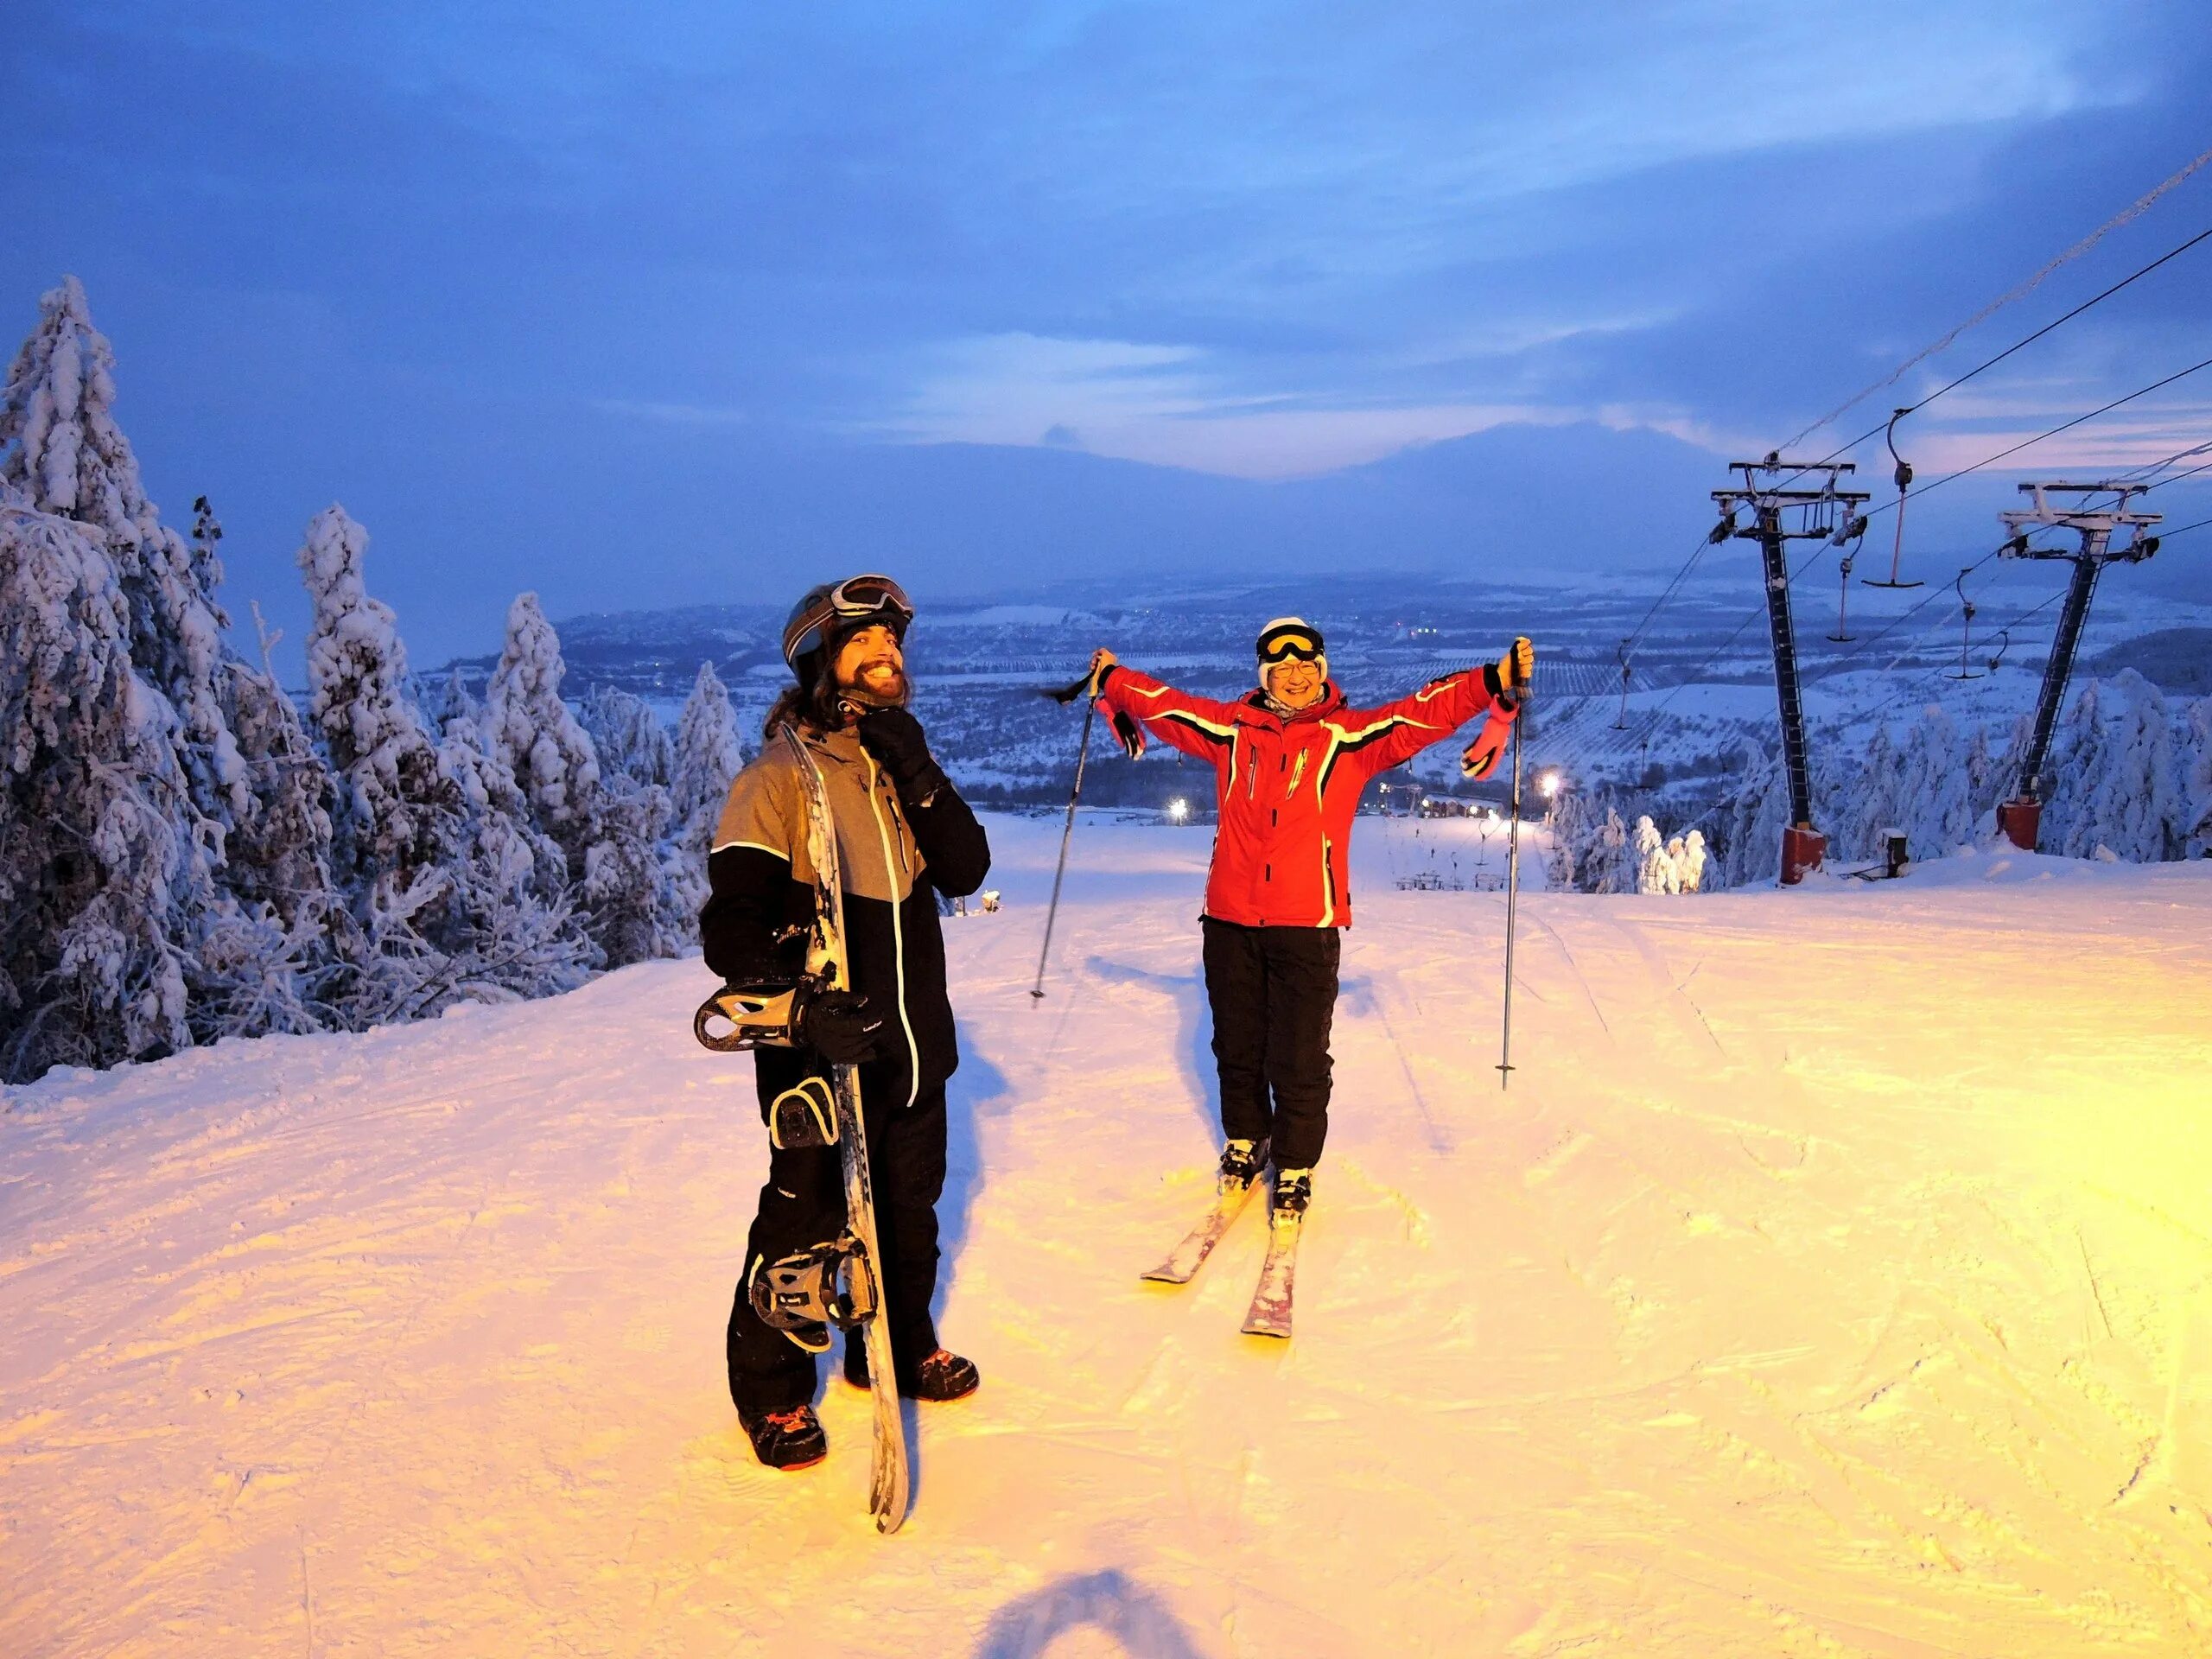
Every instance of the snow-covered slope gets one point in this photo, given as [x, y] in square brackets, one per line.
[1836, 1278]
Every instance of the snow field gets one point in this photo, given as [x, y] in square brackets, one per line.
[1835, 1278]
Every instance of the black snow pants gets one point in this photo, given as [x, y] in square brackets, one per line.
[1274, 993]
[803, 1204]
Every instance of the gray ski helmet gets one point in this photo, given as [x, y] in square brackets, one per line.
[827, 612]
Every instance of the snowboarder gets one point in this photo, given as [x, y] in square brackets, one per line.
[903, 836]
[1290, 761]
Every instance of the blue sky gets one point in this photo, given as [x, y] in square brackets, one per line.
[651, 306]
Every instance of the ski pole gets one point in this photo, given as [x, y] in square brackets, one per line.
[1512, 895]
[1067, 833]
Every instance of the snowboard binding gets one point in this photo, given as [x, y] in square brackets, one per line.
[746, 1015]
[824, 1285]
[802, 1115]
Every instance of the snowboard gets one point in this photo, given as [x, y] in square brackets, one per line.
[889, 1477]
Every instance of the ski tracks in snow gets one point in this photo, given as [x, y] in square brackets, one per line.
[1832, 1280]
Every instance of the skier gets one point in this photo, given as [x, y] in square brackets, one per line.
[903, 836]
[1290, 761]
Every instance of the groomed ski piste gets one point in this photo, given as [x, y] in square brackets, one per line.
[1835, 1279]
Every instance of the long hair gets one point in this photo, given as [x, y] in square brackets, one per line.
[812, 698]
[803, 703]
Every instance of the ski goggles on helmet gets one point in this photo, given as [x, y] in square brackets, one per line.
[851, 603]
[1282, 644]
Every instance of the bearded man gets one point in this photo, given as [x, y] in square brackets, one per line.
[904, 835]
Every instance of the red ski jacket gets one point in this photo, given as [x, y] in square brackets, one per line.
[1288, 785]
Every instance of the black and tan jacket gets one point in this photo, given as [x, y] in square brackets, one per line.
[895, 859]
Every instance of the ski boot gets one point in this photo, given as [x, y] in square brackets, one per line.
[941, 1374]
[1241, 1164]
[785, 1439]
[1294, 1192]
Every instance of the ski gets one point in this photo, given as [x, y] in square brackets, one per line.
[1270, 1315]
[1183, 1262]
[887, 1482]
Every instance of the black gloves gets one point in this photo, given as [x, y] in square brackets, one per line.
[895, 737]
[839, 1025]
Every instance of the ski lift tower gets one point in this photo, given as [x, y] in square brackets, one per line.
[2020, 818]
[1781, 514]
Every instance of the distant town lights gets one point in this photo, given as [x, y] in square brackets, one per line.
[1178, 809]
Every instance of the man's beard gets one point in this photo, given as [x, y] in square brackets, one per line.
[893, 696]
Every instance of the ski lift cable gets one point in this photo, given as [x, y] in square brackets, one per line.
[2150, 466]
[1651, 721]
[1698, 552]
[1911, 685]
[2064, 426]
[2178, 477]
[1674, 586]
[2133, 211]
[1987, 363]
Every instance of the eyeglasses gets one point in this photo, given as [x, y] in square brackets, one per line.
[855, 596]
[1291, 645]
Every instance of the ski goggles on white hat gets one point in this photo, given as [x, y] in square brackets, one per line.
[814, 617]
[1278, 644]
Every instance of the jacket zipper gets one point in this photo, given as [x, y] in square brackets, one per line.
[898, 937]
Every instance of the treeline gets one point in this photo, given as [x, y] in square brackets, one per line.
[186, 854]
[2129, 778]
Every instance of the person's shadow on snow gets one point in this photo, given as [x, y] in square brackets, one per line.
[977, 1090]
[1193, 1032]
[1106, 1601]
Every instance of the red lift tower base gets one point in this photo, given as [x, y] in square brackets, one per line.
[2019, 820]
[1802, 849]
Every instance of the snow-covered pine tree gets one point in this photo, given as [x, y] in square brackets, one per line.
[452, 894]
[397, 808]
[268, 963]
[60, 445]
[1611, 866]
[609, 835]
[1753, 816]
[1570, 830]
[1648, 848]
[457, 704]
[2196, 777]
[2135, 800]
[1934, 800]
[1984, 778]
[1694, 861]
[628, 736]
[709, 753]
[2079, 753]
[1871, 801]
[105, 885]
[528, 729]
[634, 855]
